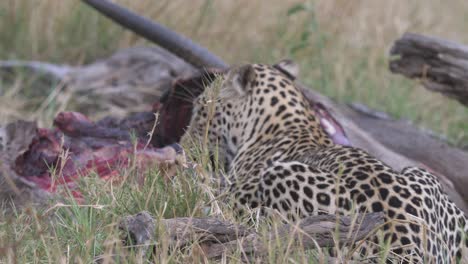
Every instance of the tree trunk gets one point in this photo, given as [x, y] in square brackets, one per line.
[441, 65]
[217, 237]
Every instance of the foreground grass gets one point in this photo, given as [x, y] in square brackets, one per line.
[71, 232]
[67, 231]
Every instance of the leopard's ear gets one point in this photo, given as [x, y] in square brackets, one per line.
[242, 78]
[288, 67]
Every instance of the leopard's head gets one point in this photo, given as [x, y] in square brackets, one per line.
[248, 104]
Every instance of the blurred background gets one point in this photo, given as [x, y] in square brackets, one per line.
[342, 47]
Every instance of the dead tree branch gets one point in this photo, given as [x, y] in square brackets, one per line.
[157, 33]
[217, 237]
[56, 72]
[441, 65]
[370, 135]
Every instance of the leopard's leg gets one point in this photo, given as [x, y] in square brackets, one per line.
[446, 240]
[297, 189]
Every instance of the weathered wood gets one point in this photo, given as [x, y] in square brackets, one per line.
[128, 81]
[441, 65]
[15, 191]
[138, 230]
[182, 231]
[397, 143]
[217, 237]
[453, 78]
[54, 71]
[309, 233]
[155, 32]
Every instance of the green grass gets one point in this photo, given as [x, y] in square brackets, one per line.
[71, 232]
[340, 46]
[81, 232]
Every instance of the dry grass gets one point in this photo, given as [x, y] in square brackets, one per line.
[341, 46]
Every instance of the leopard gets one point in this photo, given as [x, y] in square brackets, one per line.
[278, 156]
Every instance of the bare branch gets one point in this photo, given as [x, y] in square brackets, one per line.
[441, 65]
[159, 34]
[218, 237]
[58, 72]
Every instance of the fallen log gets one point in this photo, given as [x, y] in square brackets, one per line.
[128, 81]
[15, 191]
[217, 238]
[357, 132]
[157, 33]
[440, 65]
[54, 71]
[396, 142]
